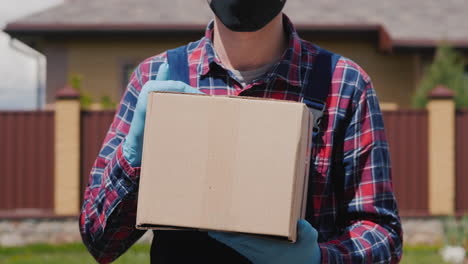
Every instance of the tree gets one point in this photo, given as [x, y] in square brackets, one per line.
[448, 70]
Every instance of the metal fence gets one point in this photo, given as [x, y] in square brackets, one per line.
[26, 163]
[94, 126]
[27, 140]
[407, 133]
[461, 195]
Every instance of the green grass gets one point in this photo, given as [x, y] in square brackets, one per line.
[421, 255]
[66, 254]
[139, 254]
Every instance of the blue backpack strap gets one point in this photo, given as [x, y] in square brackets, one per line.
[315, 97]
[316, 91]
[319, 84]
[178, 64]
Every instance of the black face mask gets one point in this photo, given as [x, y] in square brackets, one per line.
[246, 15]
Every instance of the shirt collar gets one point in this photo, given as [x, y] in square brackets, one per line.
[288, 68]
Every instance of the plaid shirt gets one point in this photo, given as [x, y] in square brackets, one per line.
[370, 231]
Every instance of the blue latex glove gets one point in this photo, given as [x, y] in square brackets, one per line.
[267, 251]
[133, 143]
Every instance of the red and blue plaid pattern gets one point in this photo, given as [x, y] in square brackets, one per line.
[352, 126]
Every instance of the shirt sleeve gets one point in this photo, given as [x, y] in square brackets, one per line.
[372, 231]
[108, 215]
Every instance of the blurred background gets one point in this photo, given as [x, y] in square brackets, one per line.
[22, 68]
[64, 64]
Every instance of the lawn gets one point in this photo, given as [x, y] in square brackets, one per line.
[138, 254]
[66, 254]
[421, 255]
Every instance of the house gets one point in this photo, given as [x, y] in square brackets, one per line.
[102, 41]
[22, 69]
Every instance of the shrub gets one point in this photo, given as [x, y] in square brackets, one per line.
[107, 103]
[448, 70]
[86, 100]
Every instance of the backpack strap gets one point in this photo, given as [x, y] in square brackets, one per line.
[178, 64]
[319, 84]
[315, 97]
[315, 93]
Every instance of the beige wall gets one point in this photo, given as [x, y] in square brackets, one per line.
[441, 156]
[67, 157]
[100, 62]
[393, 76]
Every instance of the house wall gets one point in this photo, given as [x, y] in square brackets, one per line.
[100, 63]
[56, 69]
[393, 76]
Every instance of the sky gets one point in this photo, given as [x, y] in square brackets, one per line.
[19, 66]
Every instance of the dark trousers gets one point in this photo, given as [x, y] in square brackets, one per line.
[182, 247]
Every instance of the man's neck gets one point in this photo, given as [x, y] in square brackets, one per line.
[245, 51]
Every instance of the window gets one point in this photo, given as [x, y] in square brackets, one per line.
[466, 76]
[127, 69]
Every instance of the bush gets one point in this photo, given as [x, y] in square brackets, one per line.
[86, 100]
[448, 70]
[464, 224]
[107, 103]
[453, 231]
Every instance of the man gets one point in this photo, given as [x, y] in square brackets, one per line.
[252, 49]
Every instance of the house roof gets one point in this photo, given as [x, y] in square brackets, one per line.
[400, 22]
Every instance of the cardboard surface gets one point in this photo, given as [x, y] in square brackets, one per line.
[224, 163]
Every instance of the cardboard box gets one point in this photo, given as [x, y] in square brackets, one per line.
[224, 163]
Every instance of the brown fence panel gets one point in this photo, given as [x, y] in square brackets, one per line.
[462, 161]
[94, 126]
[407, 133]
[27, 156]
[26, 163]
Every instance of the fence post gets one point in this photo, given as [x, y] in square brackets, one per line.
[67, 152]
[441, 108]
